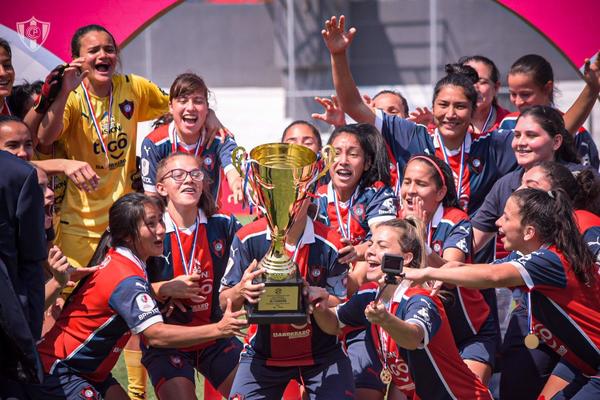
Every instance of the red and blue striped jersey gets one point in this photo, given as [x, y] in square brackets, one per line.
[160, 143]
[210, 260]
[568, 308]
[451, 228]
[99, 317]
[369, 205]
[286, 345]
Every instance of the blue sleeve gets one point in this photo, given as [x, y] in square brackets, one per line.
[404, 137]
[422, 311]
[132, 300]
[586, 148]
[383, 206]
[460, 237]
[592, 239]
[237, 264]
[501, 147]
[150, 159]
[352, 312]
[542, 267]
[225, 149]
[511, 257]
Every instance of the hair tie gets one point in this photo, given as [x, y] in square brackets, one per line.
[432, 162]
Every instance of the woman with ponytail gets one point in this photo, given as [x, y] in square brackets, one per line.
[406, 323]
[556, 270]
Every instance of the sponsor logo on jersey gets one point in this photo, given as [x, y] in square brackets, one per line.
[144, 302]
[126, 108]
[116, 147]
[145, 167]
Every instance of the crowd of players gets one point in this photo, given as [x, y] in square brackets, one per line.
[103, 252]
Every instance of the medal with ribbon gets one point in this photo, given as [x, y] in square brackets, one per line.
[188, 266]
[531, 340]
[95, 122]
[458, 180]
[344, 229]
[175, 141]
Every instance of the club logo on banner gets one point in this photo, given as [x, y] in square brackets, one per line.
[33, 33]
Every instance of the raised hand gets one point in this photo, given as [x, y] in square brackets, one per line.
[231, 324]
[591, 73]
[333, 114]
[336, 38]
[73, 75]
[249, 290]
[62, 271]
[422, 116]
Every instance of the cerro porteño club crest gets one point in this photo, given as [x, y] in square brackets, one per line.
[33, 33]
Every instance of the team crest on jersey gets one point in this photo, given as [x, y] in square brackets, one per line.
[33, 33]
[89, 393]
[477, 165]
[126, 108]
[316, 271]
[144, 302]
[359, 210]
[218, 247]
[237, 396]
[209, 162]
[436, 246]
[176, 361]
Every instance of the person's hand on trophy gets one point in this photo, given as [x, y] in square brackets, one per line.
[247, 289]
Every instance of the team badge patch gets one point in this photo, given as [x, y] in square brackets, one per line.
[89, 393]
[144, 302]
[218, 247]
[436, 246]
[359, 210]
[477, 165]
[126, 108]
[176, 361]
[209, 162]
[316, 271]
[237, 396]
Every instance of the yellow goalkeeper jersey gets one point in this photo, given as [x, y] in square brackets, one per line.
[134, 99]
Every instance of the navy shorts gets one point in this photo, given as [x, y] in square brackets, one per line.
[215, 362]
[325, 381]
[482, 347]
[365, 362]
[67, 386]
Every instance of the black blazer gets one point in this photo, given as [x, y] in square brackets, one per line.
[23, 249]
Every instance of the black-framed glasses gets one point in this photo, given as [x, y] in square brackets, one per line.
[179, 175]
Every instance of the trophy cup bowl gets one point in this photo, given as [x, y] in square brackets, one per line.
[279, 177]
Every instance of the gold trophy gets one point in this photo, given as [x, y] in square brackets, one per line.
[279, 177]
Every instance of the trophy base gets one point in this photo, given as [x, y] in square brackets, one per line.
[282, 303]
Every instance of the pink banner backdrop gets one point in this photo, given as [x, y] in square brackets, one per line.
[58, 20]
[571, 25]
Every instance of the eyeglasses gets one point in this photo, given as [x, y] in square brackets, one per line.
[180, 175]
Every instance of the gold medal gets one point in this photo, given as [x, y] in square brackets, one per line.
[532, 341]
[385, 376]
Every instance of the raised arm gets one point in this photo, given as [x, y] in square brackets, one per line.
[583, 105]
[52, 123]
[338, 41]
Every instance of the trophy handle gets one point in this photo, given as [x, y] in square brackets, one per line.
[328, 157]
[238, 156]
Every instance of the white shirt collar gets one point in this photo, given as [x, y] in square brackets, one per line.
[437, 216]
[125, 252]
[468, 142]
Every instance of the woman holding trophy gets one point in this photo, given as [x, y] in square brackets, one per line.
[301, 256]
[196, 250]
